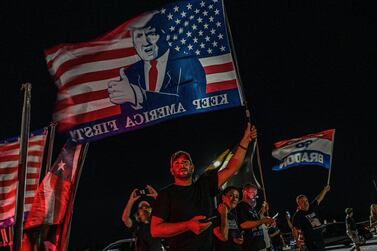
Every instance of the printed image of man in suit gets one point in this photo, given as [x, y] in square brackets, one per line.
[163, 75]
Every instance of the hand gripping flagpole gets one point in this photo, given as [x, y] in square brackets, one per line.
[243, 98]
[22, 165]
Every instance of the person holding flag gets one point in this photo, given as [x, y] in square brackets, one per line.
[182, 210]
[253, 222]
[306, 220]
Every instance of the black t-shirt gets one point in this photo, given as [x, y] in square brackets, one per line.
[276, 240]
[308, 222]
[181, 203]
[253, 238]
[144, 240]
[350, 224]
[233, 232]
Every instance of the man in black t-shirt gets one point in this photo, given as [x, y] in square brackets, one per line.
[181, 209]
[253, 222]
[306, 220]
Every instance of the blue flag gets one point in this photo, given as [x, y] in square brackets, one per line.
[163, 64]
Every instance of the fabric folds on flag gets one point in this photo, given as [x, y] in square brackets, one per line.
[53, 194]
[312, 149]
[9, 161]
[163, 64]
[245, 174]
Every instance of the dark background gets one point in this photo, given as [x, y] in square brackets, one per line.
[305, 66]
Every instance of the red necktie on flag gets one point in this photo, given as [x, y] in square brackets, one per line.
[153, 75]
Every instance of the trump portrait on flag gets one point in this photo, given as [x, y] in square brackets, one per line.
[163, 73]
[163, 64]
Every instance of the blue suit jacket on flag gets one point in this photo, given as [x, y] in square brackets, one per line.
[184, 79]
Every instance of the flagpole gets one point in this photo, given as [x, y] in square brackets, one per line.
[72, 199]
[248, 113]
[332, 147]
[22, 165]
[233, 49]
[50, 146]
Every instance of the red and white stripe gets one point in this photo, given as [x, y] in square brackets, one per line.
[82, 72]
[9, 159]
[220, 73]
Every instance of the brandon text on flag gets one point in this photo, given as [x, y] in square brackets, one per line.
[311, 149]
[53, 194]
[163, 64]
[9, 160]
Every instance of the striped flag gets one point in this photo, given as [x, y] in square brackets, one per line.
[53, 194]
[110, 85]
[9, 158]
[53, 203]
[312, 149]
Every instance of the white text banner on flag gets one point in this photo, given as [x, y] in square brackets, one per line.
[312, 149]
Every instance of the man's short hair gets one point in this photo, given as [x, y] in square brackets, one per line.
[300, 197]
[178, 154]
[227, 189]
[249, 185]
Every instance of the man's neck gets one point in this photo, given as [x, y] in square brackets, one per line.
[183, 182]
[249, 201]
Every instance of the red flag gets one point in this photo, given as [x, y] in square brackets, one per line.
[9, 157]
[54, 193]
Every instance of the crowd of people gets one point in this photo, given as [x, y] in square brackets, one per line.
[185, 216]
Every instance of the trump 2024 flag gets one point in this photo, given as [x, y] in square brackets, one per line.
[163, 64]
[311, 149]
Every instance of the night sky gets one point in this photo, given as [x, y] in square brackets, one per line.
[305, 67]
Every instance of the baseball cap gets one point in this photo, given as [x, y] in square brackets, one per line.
[143, 203]
[175, 155]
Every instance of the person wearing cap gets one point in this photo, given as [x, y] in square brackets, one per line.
[306, 221]
[140, 224]
[252, 221]
[162, 74]
[351, 229]
[181, 209]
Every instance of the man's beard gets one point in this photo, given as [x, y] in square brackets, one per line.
[186, 176]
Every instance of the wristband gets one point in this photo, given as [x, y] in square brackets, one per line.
[245, 148]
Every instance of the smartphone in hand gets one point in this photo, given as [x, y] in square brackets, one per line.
[208, 219]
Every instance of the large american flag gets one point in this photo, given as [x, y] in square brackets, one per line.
[82, 71]
[9, 159]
